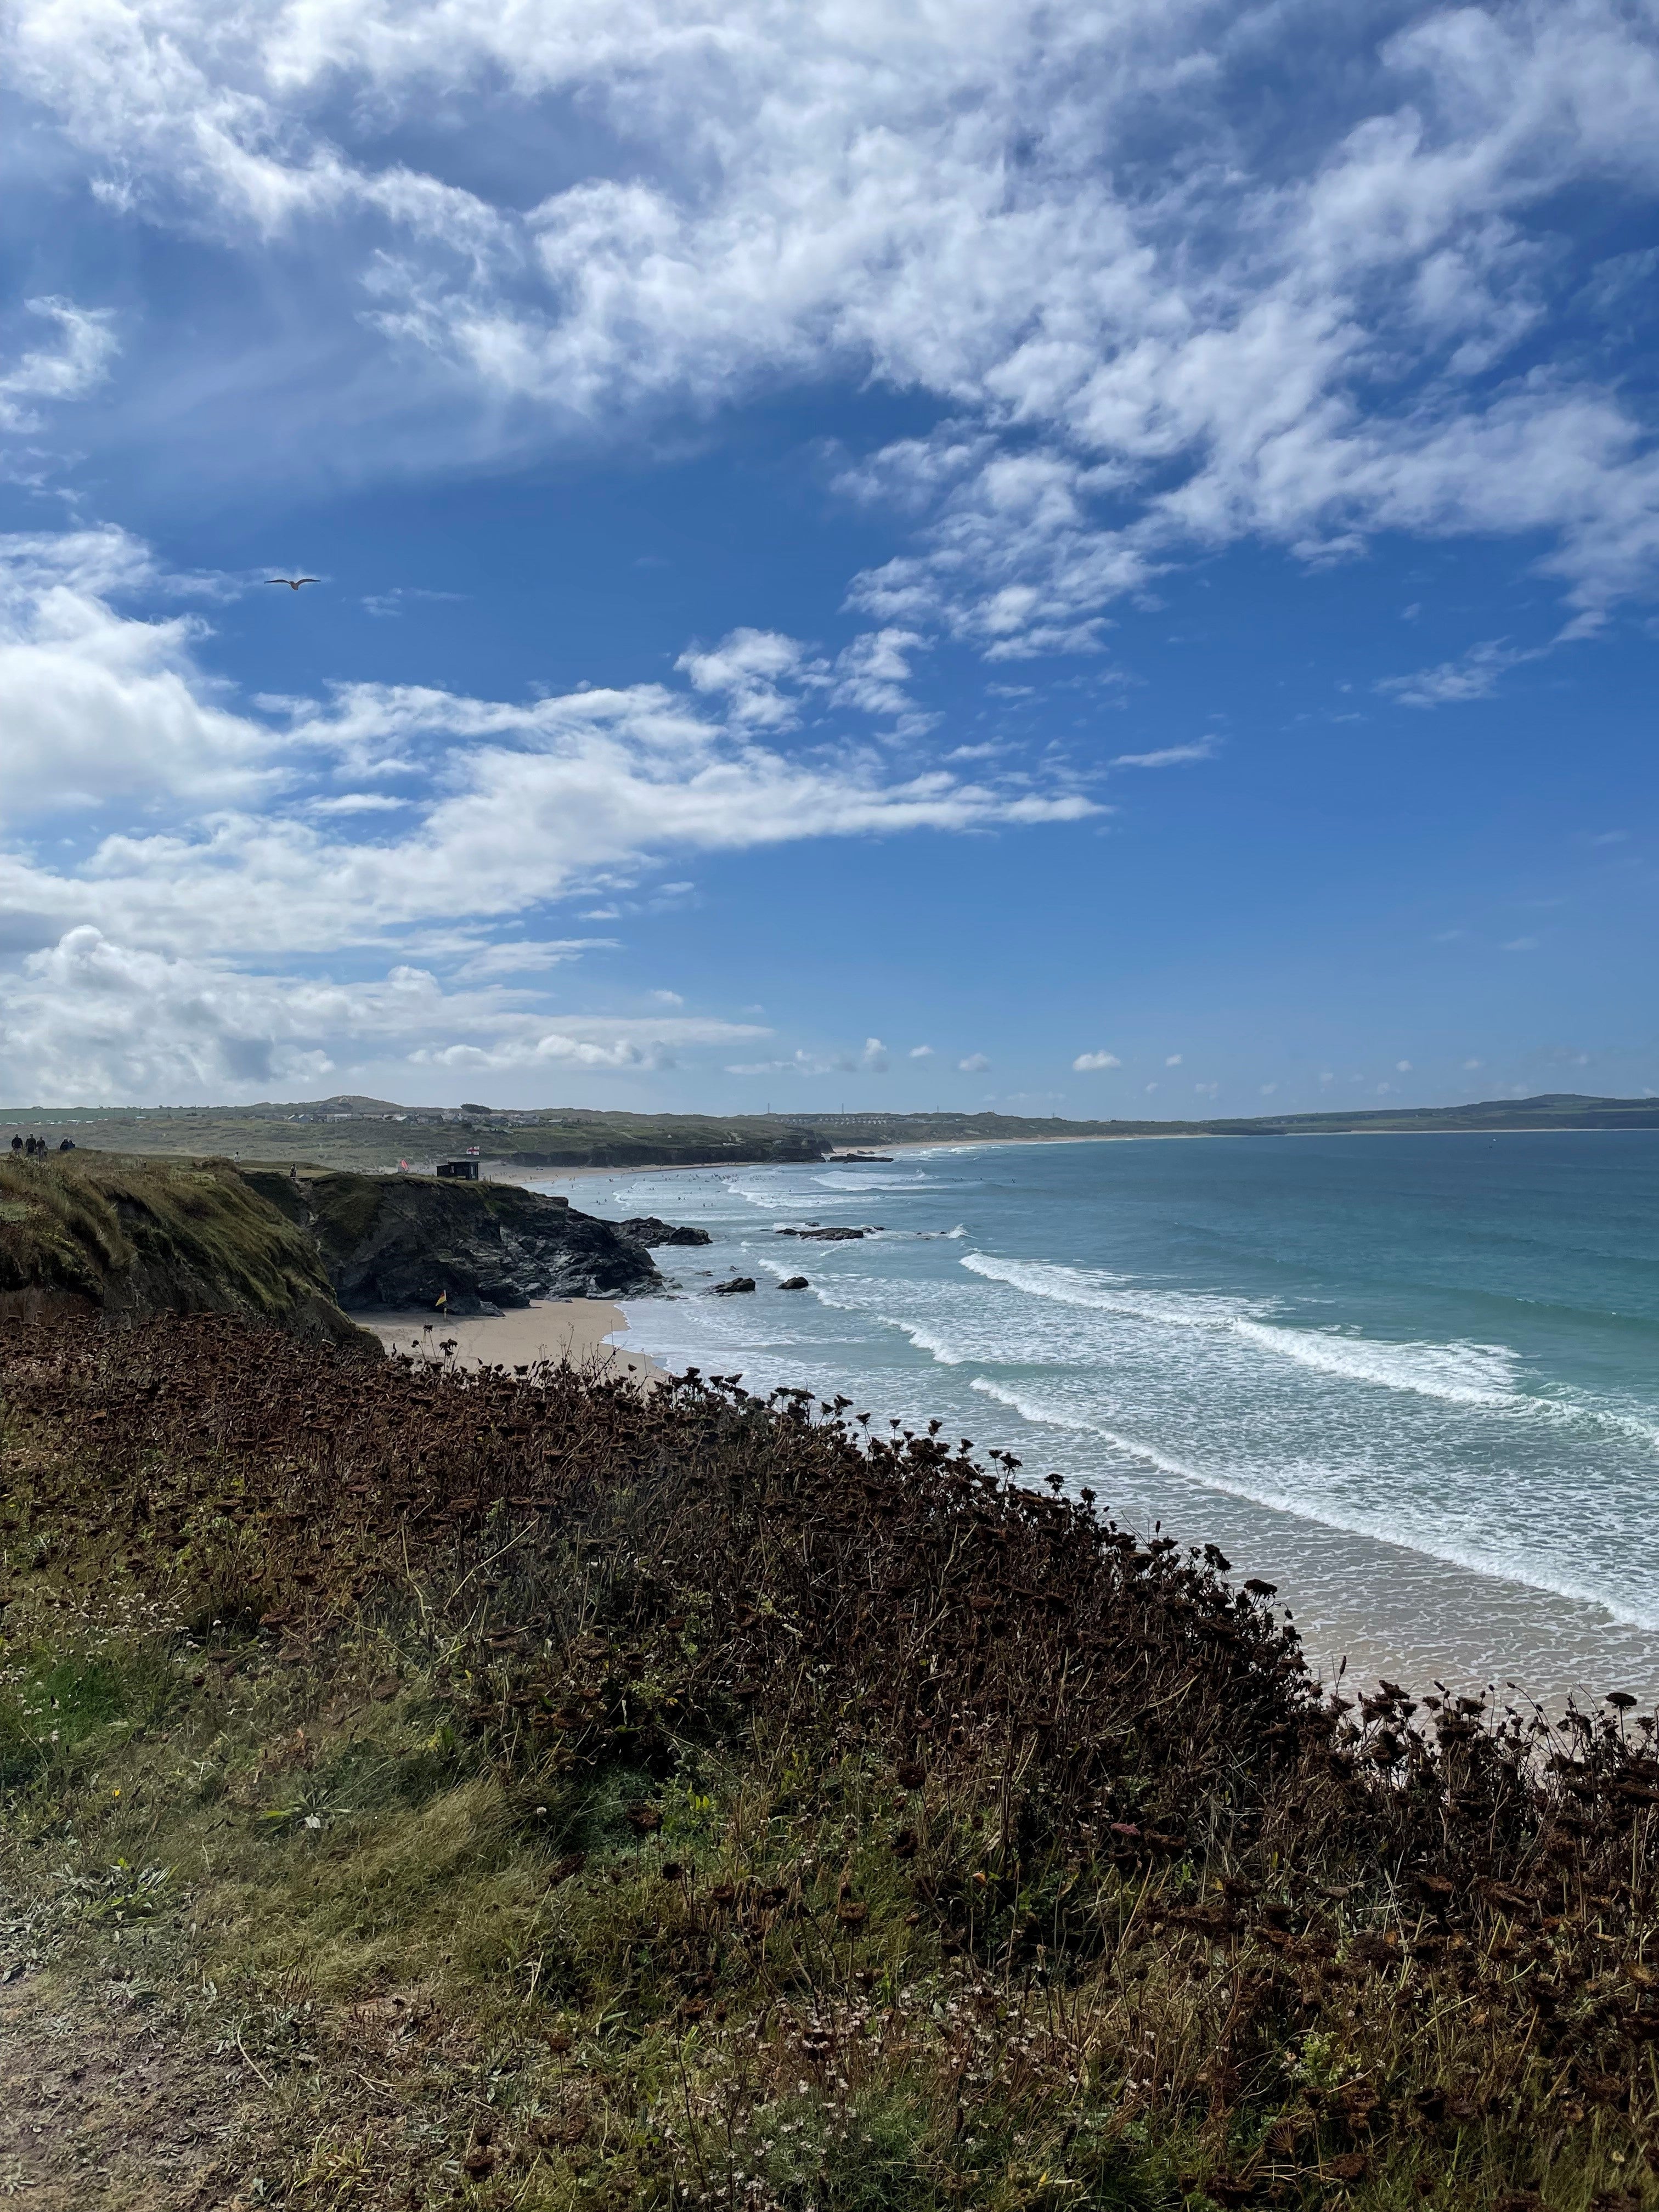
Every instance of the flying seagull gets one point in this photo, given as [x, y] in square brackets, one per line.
[294, 582]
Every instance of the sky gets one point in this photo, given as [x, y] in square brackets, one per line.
[870, 554]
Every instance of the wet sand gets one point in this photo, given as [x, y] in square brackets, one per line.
[575, 1331]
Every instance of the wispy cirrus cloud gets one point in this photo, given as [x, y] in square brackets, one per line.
[44, 375]
[1475, 674]
[1169, 756]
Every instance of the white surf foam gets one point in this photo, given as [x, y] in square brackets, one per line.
[1530, 1568]
[1458, 1373]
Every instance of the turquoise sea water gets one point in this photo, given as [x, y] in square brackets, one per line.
[1414, 1381]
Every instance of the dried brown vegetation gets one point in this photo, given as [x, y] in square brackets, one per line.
[891, 1833]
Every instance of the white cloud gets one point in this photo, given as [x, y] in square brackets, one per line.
[1087, 1062]
[1159, 320]
[1174, 1060]
[1206, 1090]
[357, 802]
[1454, 683]
[88, 1018]
[749, 667]
[871, 1060]
[1269, 1089]
[872, 673]
[922, 1052]
[149, 807]
[529, 957]
[1169, 756]
[975, 1064]
[230, 834]
[668, 998]
[1404, 1067]
[79, 362]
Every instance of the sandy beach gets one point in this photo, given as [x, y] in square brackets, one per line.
[576, 1331]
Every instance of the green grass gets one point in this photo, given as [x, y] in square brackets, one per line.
[138, 1235]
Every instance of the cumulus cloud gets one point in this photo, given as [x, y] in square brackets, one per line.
[750, 668]
[975, 1064]
[228, 835]
[1174, 1060]
[1087, 1062]
[871, 674]
[147, 811]
[922, 1052]
[90, 1018]
[100, 710]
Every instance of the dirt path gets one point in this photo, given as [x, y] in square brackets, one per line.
[103, 2105]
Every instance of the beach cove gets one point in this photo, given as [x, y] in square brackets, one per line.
[1410, 1380]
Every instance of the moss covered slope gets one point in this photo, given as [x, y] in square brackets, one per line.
[84, 1231]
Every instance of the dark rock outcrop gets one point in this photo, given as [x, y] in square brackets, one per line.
[401, 1240]
[646, 1228]
[738, 1283]
[794, 1283]
[826, 1235]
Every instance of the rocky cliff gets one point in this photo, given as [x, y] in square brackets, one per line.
[395, 1240]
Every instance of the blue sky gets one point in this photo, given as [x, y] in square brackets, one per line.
[873, 555]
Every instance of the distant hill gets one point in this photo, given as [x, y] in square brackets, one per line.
[369, 1134]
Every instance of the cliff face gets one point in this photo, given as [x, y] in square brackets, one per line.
[407, 1240]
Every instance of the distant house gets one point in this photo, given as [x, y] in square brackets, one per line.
[464, 1170]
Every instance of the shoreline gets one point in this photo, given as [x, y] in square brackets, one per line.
[566, 1332]
[502, 1171]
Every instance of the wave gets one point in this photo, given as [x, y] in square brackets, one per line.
[1495, 1563]
[1458, 1373]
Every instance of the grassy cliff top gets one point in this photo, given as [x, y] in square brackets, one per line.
[374, 1134]
[133, 1236]
[426, 1789]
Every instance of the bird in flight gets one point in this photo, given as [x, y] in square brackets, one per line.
[293, 582]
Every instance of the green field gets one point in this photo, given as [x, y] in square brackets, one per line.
[375, 1133]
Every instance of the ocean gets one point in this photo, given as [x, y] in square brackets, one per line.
[1412, 1380]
